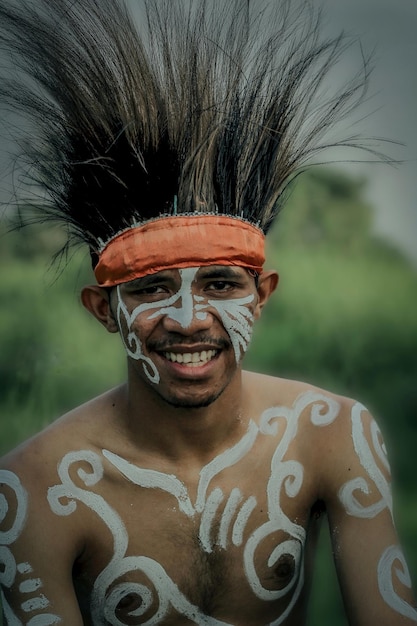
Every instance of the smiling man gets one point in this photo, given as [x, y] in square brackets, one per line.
[185, 330]
[194, 492]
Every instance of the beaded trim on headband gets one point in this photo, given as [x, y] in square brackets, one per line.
[138, 224]
[177, 242]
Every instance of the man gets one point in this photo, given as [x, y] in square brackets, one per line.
[193, 493]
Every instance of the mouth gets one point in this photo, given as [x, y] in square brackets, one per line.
[191, 359]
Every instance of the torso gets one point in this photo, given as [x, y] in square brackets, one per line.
[229, 542]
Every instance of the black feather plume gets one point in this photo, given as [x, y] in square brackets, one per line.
[207, 106]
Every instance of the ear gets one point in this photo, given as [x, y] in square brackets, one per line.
[97, 301]
[267, 283]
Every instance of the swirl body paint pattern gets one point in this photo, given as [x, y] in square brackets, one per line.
[386, 572]
[372, 454]
[369, 453]
[115, 581]
[12, 573]
[226, 519]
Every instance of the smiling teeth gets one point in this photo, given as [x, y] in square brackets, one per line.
[192, 359]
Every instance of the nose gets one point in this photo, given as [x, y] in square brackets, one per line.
[187, 316]
[185, 311]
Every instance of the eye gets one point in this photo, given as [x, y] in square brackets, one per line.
[151, 290]
[220, 286]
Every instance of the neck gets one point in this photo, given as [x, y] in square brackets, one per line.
[156, 426]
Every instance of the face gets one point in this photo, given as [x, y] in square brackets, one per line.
[187, 330]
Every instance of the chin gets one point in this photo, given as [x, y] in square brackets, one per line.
[191, 402]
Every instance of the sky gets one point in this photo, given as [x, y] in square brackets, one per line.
[389, 27]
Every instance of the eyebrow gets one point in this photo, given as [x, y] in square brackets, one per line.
[150, 279]
[219, 272]
[210, 272]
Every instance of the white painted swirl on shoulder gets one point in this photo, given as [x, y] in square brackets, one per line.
[324, 410]
[379, 445]
[368, 458]
[386, 572]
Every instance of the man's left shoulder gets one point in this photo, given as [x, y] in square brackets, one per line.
[276, 391]
[327, 419]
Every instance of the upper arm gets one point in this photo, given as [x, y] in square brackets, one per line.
[372, 571]
[36, 557]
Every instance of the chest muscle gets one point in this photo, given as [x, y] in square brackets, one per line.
[228, 550]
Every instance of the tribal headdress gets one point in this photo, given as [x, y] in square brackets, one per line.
[167, 137]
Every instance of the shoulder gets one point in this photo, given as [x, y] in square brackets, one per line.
[334, 432]
[37, 494]
[271, 391]
[35, 462]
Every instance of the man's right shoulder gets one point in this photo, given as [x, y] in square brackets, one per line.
[35, 457]
[39, 539]
[33, 507]
[35, 460]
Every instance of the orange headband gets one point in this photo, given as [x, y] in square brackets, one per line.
[178, 242]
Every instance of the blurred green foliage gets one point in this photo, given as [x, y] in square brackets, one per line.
[344, 318]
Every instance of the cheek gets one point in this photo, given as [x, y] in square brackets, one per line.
[133, 329]
[241, 328]
[140, 329]
[136, 320]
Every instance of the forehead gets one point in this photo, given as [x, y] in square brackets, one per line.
[197, 273]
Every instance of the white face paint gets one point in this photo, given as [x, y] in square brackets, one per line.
[184, 307]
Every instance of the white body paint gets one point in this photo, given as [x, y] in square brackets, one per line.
[368, 460]
[223, 519]
[109, 587]
[183, 307]
[386, 574]
[376, 482]
[10, 570]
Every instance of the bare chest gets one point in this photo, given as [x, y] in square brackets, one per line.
[224, 548]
